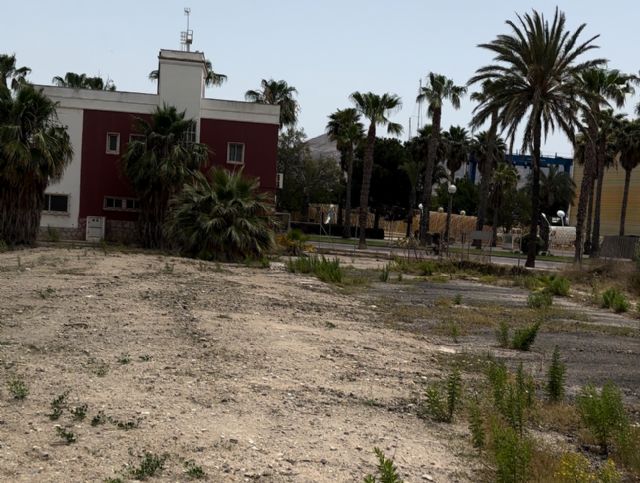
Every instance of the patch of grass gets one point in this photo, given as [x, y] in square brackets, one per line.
[150, 465]
[457, 299]
[384, 274]
[18, 388]
[323, 268]
[574, 467]
[145, 357]
[124, 358]
[440, 405]
[99, 419]
[113, 480]
[502, 334]
[330, 325]
[386, 470]
[541, 299]
[193, 470]
[603, 413]
[476, 426]
[556, 284]
[68, 436]
[512, 454]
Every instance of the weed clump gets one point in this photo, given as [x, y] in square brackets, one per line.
[150, 465]
[193, 470]
[613, 298]
[555, 378]
[541, 299]
[68, 436]
[524, 338]
[441, 405]
[18, 388]
[502, 334]
[512, 454]
[57, 405]
[556, 285]
[384, 275]
[387, 472]
[603, 414]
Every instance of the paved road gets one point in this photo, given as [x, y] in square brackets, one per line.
[388, 252]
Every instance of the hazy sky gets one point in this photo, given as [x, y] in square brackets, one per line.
[325, 48]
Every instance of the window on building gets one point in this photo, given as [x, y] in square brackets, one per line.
[137, 137]
[113, 143]
[56, 203]
[115, 203]
[189, 136]
[235, 153]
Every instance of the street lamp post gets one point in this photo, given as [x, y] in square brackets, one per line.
[421, 208]
[452, 191]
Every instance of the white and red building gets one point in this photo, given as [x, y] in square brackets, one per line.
[102, 123]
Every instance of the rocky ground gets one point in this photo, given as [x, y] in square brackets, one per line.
[247, 373]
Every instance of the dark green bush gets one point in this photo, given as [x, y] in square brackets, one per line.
[512, 454]
[555, 378]
[613, 298]
[603, 413]
[541, 299]
[524, 338]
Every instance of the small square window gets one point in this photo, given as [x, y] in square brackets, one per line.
[121, 204]
[113, 143]
[235, 153]
[56, 203]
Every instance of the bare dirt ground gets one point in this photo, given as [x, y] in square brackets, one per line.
[254, 374]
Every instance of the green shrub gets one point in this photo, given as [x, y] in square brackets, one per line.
[613, 298]
[603, 413]
[294, 242]
[150, 465]
[576, 468]
[558, 285]
[524, 338]
[441, 405]
[540, 299]
[221, 216]
[512, 454]
[457, 299]
[194, 470]
[502, 334]
[512, 397]
[387, 472]
[555, 378]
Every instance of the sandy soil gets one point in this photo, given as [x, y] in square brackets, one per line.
[253, 374]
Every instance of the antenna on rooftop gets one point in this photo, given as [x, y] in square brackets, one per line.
[186, 37]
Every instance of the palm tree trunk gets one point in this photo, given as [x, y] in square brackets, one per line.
[412, 203]
[428, 174]
[585, 185]
[485, 181]
[595, 235]
[535, 195]
[587, 232]
[625, 200]
[495, 226]
[366, 183]
[347, 203]
[20, 211]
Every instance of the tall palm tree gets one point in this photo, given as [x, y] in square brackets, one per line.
[598, 86]
[211, 77]
[277, 93]
[557, 190]
[457, 147]
[83, 81]
[438, 90]
[376, 108]
[606, 153]
[158, 166]
[344, 127]
[34, 151]
[220, 216]
[504, 178]
[488, 149]
[629, 145]
[8, 70]
[532, 79]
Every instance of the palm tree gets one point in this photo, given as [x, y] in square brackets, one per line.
[158, 166]
[211, 78]
[34, 151]
[82, 81]
[629, 145]
[457, 147]
[532, 79]
[277, 93]
[376, 109]
[344, 127]
[557, 190]
[222, 216]
[438, 90]
[504, 178]
[8, 70]
[599, 86]
[488, 149]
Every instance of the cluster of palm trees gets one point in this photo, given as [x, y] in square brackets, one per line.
[34, 151]
[538, 82]
[83, 81]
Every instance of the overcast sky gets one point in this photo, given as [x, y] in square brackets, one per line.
[325, 48]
